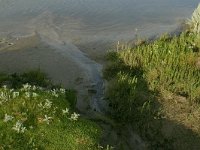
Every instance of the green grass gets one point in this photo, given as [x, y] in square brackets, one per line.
[140, 78]
[169, 63]
[35, 117]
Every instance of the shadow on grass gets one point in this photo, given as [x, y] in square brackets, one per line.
[133, 102]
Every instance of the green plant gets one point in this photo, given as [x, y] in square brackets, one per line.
[36, 117]
[138, 76]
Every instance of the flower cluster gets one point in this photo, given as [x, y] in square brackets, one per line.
[19, 127]
[47, 104]
[8, 118]
[37, 97]
[73, 117]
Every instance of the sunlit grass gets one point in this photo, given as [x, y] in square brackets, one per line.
[35, 117]
[141, 77]
[168, 63]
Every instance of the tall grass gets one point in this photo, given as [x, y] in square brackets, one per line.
[168, 63]
[141, 75]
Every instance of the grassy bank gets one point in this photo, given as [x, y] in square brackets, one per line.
[155, 86]
[34, 114]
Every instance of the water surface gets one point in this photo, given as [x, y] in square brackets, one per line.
[93, 20]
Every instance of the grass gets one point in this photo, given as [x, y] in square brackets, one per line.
[146, 81]
[39, 116]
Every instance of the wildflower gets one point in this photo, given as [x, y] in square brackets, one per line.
[54, 93]
[66, 111]
[4, 87]
[27, 94]
[62, 91]
[19, 127]
[7, 118]
[40, 105]
[74, 116]
[26, 87]
[47, 104]
[15, 94]
[30, 127]
[3, 95]
[47, 119]
[23, 129]
[40, 88]
[35, 95]
[34, 88]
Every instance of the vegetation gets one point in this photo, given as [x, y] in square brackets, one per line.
[155, 86]
[37, 115]
[166, 64]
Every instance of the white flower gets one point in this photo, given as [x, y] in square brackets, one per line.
[19, 127]
[23, 129]
[62, 91]
[15, 94]
[35, 95]
[47, 104]
[7, 118]
[40, 88]
[40, 105]
[54, 93]
[2, 95]
[34, 88]
[26, 87]
[4, 87]
[66, 111]
[47, 119]
[30, 127]
[74, 116]
[27, 94]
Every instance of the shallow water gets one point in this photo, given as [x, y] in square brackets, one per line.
[93, 20]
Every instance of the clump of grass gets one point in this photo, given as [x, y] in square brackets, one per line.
[168, 64]
[141, 74]
[35, 77]
[194, 22]
[34, 117]
[165, 64]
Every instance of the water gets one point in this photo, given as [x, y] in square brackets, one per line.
[93, 20]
